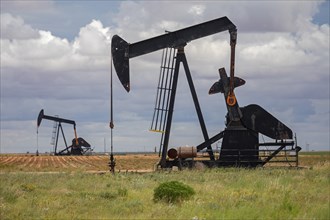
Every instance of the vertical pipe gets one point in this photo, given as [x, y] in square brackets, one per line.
[112, 162]
[75, 134]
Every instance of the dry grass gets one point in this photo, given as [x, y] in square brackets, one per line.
[221, 193]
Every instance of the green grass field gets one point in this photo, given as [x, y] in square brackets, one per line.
[223, 193]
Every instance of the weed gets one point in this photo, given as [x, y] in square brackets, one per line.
[28, 187]
[108, 195]
[111, 195]
[122, 192]
[9, 197]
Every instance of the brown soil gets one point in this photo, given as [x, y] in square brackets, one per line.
[45, 163]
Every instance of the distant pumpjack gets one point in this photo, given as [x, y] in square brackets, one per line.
[78, 147]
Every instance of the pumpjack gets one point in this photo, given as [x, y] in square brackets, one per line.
[78, 147]
[240, 139]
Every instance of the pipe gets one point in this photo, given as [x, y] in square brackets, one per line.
[182, 152]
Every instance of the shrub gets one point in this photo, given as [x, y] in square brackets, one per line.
[172, 192]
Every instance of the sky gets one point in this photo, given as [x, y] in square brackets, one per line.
[55, 55]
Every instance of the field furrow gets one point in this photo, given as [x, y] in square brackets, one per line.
[20, 159]
[72, 162]
[59, 162]
[78, 162]
[7, 160]
[66, 162]
[38, 162]
[129, 162]
[30, 162]
[85, 160]
[52, 162]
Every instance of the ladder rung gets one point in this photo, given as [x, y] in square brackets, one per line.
[165, 67]
[159, 131]
[164, 88]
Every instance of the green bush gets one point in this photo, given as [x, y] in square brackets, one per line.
[172, 192]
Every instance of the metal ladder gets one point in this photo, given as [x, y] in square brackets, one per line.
[163, 92]
[54, 134]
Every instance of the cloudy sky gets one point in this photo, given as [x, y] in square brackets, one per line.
[55, 55]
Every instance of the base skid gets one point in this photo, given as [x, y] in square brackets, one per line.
[274, 154]
[191, 164]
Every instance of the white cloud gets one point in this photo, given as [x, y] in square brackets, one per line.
[45, 52]
[249, 16]
[13, 27]
[196, 9]
[93, 40]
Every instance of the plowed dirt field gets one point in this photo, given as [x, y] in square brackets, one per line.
[32, 163]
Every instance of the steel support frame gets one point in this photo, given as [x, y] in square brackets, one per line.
[181, 58]
[58, 129]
